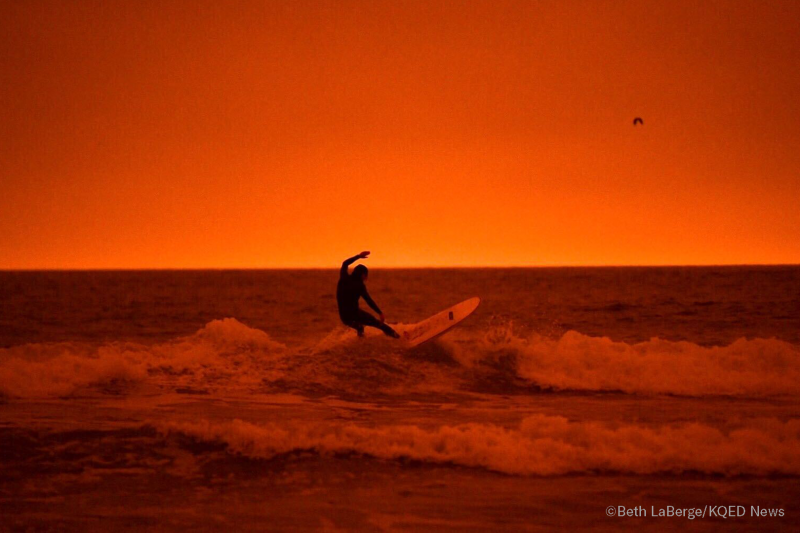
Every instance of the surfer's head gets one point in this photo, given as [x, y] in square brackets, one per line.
[361, 272]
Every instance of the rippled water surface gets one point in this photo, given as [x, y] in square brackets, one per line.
[218, 399]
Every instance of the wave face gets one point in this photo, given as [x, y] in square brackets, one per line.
[217, 353]
[757, 367]
[540, 445]
[226, 353]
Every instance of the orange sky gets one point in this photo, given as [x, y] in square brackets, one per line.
[268, 134]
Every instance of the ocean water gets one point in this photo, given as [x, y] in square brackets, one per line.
[234, 399]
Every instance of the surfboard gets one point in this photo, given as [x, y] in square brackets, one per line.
[432, 327]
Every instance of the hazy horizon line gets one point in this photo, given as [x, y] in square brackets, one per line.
[390, 267]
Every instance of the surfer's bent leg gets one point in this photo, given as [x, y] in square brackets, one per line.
[355, 324]
[368, 320]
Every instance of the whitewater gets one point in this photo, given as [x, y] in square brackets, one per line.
[237, 397]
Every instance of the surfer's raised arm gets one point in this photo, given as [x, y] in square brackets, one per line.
[350, 261]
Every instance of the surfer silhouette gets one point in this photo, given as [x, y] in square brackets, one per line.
[350, 288]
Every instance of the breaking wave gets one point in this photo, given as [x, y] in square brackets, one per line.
[218, 352]
[541, 445]
[226, 353]
[757, 367]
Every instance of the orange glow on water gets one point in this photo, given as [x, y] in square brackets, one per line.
[482, 133]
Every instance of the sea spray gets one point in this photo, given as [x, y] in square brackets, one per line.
[540, 445]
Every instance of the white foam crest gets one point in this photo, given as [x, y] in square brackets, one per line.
[747, 367]
[541, 445]
[344, 337]
[337, 338]
[223, 349]
[231, 333]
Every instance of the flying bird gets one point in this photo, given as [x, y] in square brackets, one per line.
[637, 120]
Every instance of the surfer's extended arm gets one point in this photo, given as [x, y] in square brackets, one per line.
[347, 263]
[370, 301]
[350, 261]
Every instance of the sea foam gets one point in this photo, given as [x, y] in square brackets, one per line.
[228, 353]
[747, 367]
[222, 351]
[540, 445]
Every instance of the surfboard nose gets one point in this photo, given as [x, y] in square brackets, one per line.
[442, 321]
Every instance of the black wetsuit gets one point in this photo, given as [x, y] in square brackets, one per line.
[348, 291]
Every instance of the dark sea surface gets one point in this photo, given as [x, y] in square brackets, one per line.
[235, 399]
[706, 305]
